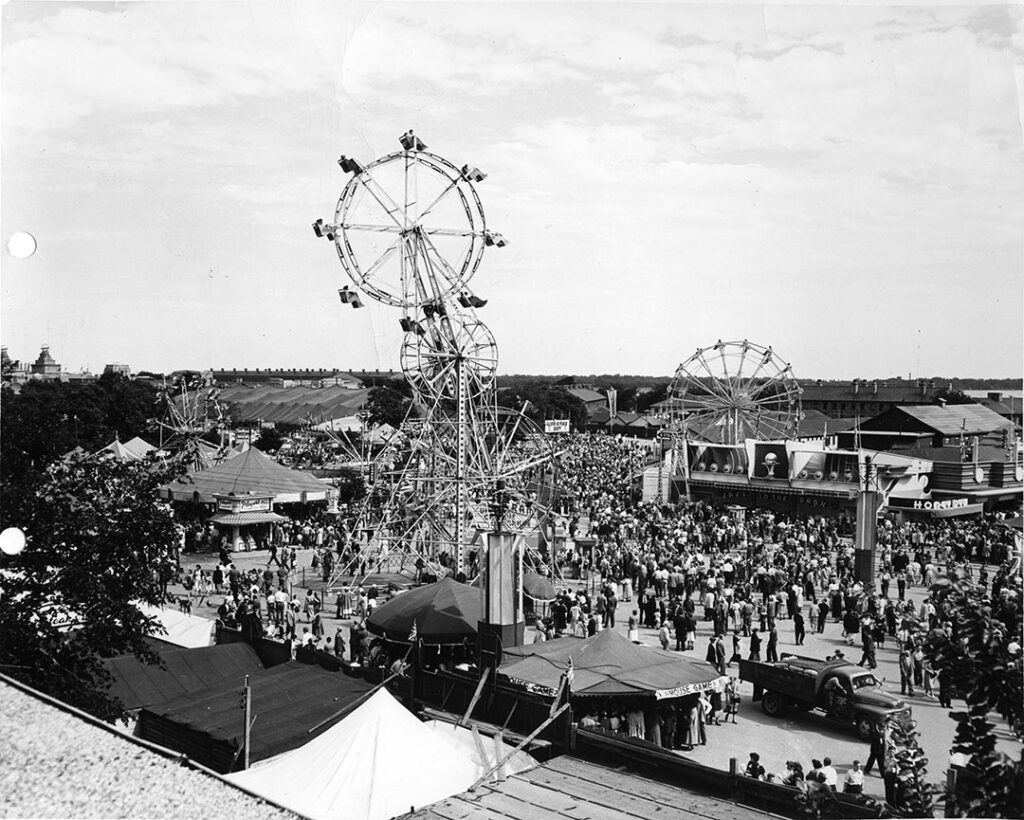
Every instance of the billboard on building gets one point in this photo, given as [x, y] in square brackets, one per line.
[556, 425]
[769, 460]
[722, 459]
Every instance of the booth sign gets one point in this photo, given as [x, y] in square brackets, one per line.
[245, 504]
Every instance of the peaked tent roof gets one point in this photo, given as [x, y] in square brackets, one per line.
[444, 612]
[378, 762]
[137, 684]
[608, 663]
[189, 631]
[288, 700]
[125, 451]
[251, 471]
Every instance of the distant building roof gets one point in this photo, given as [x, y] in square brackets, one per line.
[949, 420]
[1006, 406]
[585, 394]
[292, 405]
[895, 391]
[815, 424]
[111, 774]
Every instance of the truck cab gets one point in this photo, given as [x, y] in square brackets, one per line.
[841, 689]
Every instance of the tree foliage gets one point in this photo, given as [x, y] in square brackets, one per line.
[386, 405]
[48, 419]
[546, 402]
[979, 664]
[270, 440]
[913, 792]
[951, 395]
[97, 542]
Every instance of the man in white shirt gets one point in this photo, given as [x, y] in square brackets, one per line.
[831, 775]
[854, 783]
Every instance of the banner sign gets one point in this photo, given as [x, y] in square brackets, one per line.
[244, 504]
[556, 425]
[929, 504]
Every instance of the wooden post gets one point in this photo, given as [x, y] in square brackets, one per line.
[733, 777]
[247, 710]
[525, 741]
[475, 698]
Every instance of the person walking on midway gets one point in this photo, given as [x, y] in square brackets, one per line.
[633, 627]
[771, 654]
[755, 646]
[906, 673]
[798, 627]
[868, 644]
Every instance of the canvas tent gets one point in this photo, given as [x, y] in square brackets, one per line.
[248, 472]
[138, 684]
[189, 631]
[379, 762]
[608, 664]
[445, 612]
[133, 450]
[287, 701]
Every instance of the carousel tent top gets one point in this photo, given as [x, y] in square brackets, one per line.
[444, 612]
[249, 472]
[378, 762]
[608, 664]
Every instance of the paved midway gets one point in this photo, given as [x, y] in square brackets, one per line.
[798, 736]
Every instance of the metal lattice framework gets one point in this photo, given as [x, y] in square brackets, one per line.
[733, 391]
[190, 411]
[410, 232]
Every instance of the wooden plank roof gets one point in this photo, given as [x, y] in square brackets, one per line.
[568, 787]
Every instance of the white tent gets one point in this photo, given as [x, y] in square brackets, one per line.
[189, 631]
[376, 763]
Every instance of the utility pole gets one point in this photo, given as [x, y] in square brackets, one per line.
[247, 710]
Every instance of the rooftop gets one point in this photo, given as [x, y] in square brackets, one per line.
[72, 765]
[572, 788]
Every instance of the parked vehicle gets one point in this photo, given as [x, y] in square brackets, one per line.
[839, 688]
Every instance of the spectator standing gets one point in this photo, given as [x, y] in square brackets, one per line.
[798, 627]
[771, 654]
[854, 781]
[830, 774]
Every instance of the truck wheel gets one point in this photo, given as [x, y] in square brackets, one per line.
[865, 727]
[772, 704]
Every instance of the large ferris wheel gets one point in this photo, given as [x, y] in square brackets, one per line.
[733, 391]
[410, 232]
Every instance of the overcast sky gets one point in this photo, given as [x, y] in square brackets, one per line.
[844, 183]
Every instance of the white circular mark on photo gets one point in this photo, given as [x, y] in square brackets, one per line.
[21, 245]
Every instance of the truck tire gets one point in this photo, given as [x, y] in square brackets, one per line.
[865, 727]
[772, 704]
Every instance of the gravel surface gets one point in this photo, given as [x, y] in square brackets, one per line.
[56, 764]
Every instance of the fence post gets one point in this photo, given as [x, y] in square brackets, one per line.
[733, 777]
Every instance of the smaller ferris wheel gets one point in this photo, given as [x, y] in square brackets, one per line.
[733, 391]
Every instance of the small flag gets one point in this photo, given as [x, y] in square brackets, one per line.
[414, 634]
[570, 674]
